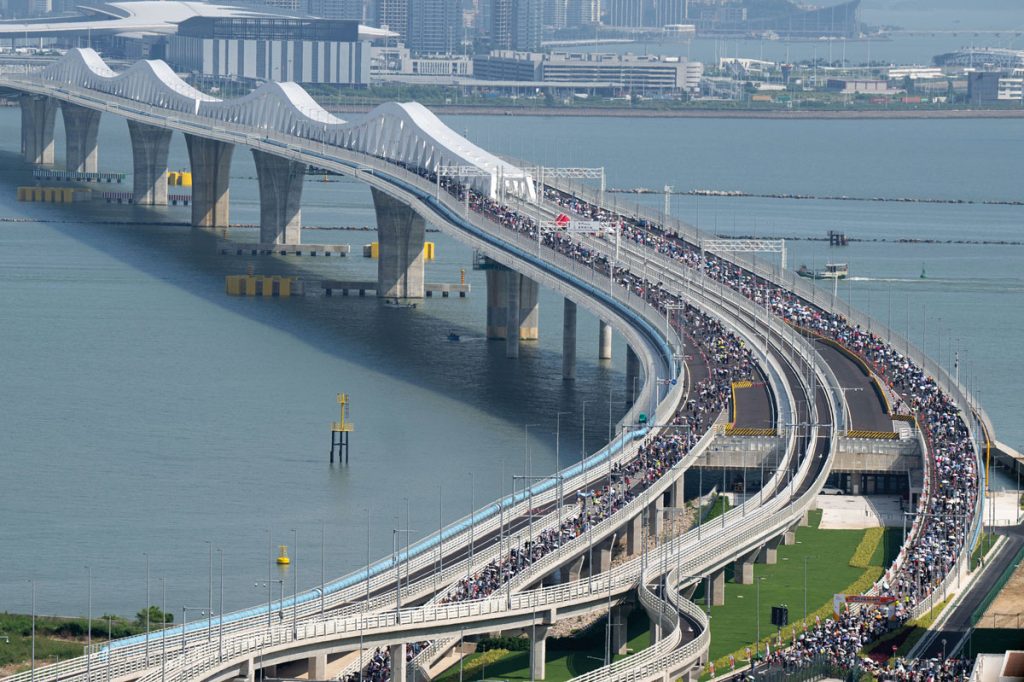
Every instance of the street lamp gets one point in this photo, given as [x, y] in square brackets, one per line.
[146, 554]
[270, 604]
[805, 586]
[757, 615]
[33, 673]
[220, 614]
[398, 564]
[184, 621]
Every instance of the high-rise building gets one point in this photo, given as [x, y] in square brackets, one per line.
[394, 15]
[645, 13]
[556, 13]
[435, 27]
[349, 10]
[516, 24]
[583, 12]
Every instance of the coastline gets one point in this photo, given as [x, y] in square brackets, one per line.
[622, 112]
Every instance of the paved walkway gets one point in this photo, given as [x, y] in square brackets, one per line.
[859, 511]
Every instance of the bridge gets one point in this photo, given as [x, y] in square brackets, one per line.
[825, 391]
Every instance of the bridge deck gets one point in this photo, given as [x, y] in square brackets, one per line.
[867, 411]
[753, 406]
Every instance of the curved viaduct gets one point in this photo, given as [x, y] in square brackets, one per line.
[402, 152]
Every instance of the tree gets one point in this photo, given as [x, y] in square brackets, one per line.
[155, 616]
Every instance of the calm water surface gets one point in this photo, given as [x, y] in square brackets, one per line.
[145, 411]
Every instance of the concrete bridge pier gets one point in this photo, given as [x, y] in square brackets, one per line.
[280, 181]
[512, 314]
[655, 516]
[149, 163]
[538, 651]
[717, 592]
[634, 535]
[211, 166]
[574, 570]
[529, 309]
[247, 672]
[768, 554]
[569, 341]
[400, 233]
[632, 375]
[620, 633]
[497, 302]
[604, 341]
[81, 126]
[37, 118]
[743, 569]
[317, 667]
[398, 667]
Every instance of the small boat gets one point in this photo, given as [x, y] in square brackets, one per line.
[831, 271]
[452, 336]
[923, 275]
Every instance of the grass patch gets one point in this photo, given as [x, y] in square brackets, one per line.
[720, 506]
[839, 561]
[55, 637]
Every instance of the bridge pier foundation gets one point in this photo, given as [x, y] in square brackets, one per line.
[619, 631]
[717, 592]
[38, 115]
[604, 558]
[769, 554]
[574, 570]
[789, 538]
[211, 166]
[743, 570]
[247, 673]
[569, 341]
[398, 667]
[632, 375]
[280, 182]
[655, 516]
[604, 341]
[529, 309]
[149, 163]
[497, 302]
[317, 667]
[538, 651]
[634, 535]
[512, 314]
[400, 233]
[81, 126]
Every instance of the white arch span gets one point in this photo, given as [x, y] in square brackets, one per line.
[407, 133]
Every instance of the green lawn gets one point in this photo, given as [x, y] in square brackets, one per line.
[55, 637]
[733, 625]
[566, 658]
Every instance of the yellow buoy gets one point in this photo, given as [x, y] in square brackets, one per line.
[282, 557]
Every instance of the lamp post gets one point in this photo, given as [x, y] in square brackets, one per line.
[146, 554]
[398, 564]
[270, 599]
[88, 656]
[33, 673]
[757, 615]
[295, 582]
[184, 622]
[220, 611]
[805, 586]
[209, 612]
[163, 633]
[558, 470]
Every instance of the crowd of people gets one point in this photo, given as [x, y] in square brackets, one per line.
[952, 482]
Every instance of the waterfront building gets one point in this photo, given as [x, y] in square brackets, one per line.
[277, 49]
[629, 71]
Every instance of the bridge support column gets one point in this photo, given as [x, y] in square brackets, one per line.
[497, 302]
[211, 166]
[634, 535]
[529, 309]
[149, 163]
[569, 341]
[37, 118]
[604, 559]
[789, 538]
[655, 516]
[247, 671]
[743, 570]
[512, 312]
[317, 667]
[632, 375]
[604, 341]
[805, 520]
[280, 181]
[676, 497]
[81, 126]
[400, 233]
[619, 631]
[538, 651]
[655, 632]
[398, 667]
[769, 553]
[575, 569]
[717, 588]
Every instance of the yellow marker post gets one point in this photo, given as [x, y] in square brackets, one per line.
[340, 431]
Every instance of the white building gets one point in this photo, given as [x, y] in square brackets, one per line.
[1010, 90]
